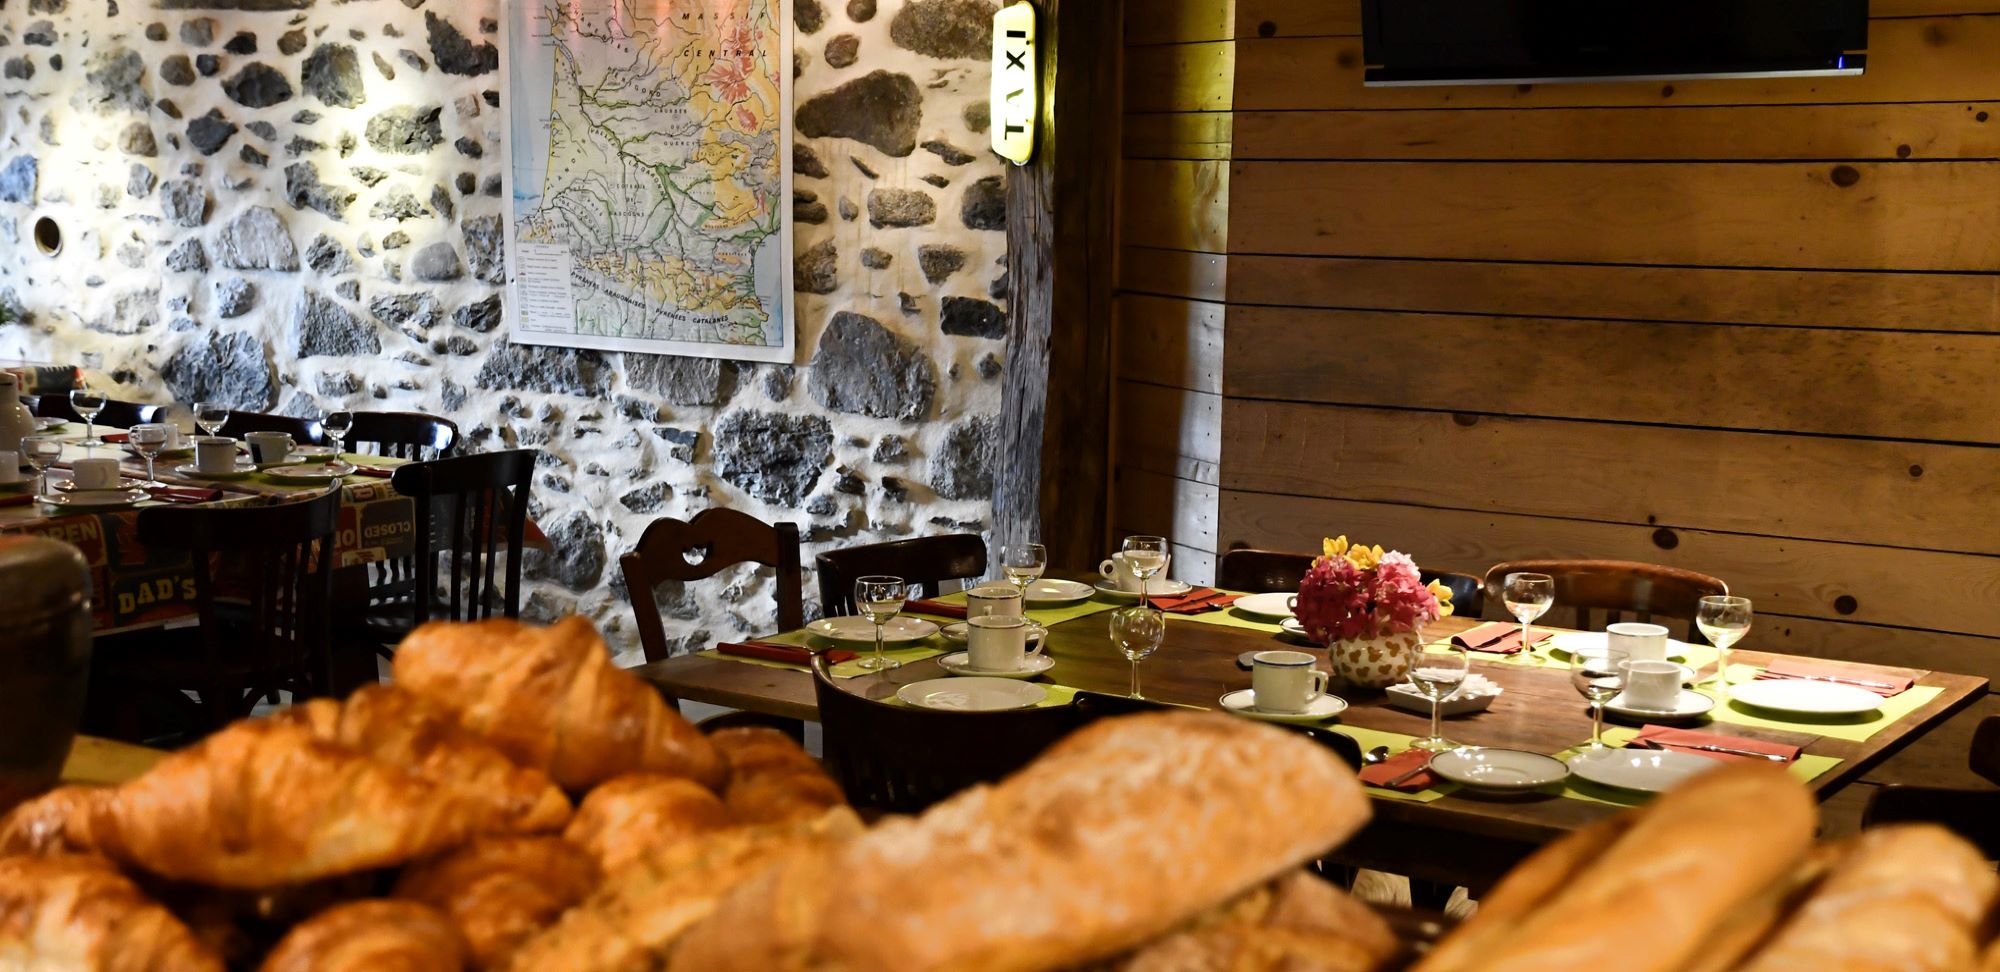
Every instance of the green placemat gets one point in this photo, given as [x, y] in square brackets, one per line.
[759, 662]
[1850, 728]
[1049, 616]
[1806, 769]
[1397, 742]
[1059, 695]
[1230, 617]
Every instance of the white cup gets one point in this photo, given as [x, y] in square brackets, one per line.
[1652, 684]
[1118, 570]
[1638, 640]
[10, 467]
[993, 599]
[175, 440]
[214, 454]
[94, 473]
[267, 448]
[999, 643]
[1285, 681]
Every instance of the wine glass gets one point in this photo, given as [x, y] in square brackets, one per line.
[211, 416]
[1137, 631]
[1528, 596]
[880, 599]
[336, 426]
[1599, 676]
[1147, 556]
[1723, 620]
[1438, 674]
[87, 402]
[147, 440]
[40, 452]
[1023, 563]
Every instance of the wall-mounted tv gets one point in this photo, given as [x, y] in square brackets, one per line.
[1434, 42]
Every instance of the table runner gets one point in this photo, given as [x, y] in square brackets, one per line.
[1805, 769]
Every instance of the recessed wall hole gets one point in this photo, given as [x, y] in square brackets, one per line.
[48, 236]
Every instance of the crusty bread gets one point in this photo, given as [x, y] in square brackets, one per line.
[1523, 890]
[1297, 923]
[1117, 834]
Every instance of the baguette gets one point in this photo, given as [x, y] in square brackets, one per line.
[1297, 923]
[1121, 832]
[1524, 888]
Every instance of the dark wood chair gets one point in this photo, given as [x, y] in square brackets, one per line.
[902, 759]
[924, 562]
[402, 435]
[471, 513]
[1970, 813]
[1256, 571]
[303, 431]
[1602, 592]
[263, 621]
[697, 549]
[116, 414]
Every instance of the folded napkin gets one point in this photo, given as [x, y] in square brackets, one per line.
[1679, 740]
[116, 438]
[1381, 773]
[1880, 683]
[772, 651]
[185, 494]
[1194, 602]
[935, 608]
[377, 472]
[19, 499]
[1495, 638]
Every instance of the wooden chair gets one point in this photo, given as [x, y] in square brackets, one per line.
[697, 549]
[116, 414]
[471, 512]
[1617, 590]
[1255, 571]
[302, 430]
[279, 561]
[1972, 814]
[902, 759]
[402, 435]
[924, 562]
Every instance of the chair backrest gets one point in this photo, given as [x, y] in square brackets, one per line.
[116, 414]
[471, 511]
[1091, 706]
[1971, 814]
[302, 430]
[902, 759]
[1985, 758]
[922, 561]
[1602, 592]
[1277, 570]
[697, 549]
[281, 557]
[403, 435]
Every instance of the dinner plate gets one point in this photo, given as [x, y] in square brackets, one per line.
[313, 453]
[1504, 770]
[322, 472]
[1644, 770]
[976, 694]
[955, 631]
[1154, 588]
[182, 452]
[45, 424]
[960, 663]
[192, 471]
[1570, 643]
[1274, 605]
[861, 631]
[1243, 702]
[1801, 697]
[1690, 705]
[94, 499]
[1054, 591]
[124, 483]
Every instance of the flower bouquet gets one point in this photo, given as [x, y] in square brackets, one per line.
[1369, 608]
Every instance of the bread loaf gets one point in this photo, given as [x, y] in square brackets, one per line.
[42, 825]
[1297, 923]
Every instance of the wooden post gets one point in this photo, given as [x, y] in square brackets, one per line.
[1054, 450]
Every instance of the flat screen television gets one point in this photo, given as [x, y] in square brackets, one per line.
[1434, 42]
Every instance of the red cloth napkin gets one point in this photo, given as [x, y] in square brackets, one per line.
[1884, 684]
[1195, 601]
[1678, 739]
[1495, 638]
[377, 472]
[771, 651]
[116, 438]
[940, 609]
[185, 494]
[22, 499]
[1381, 773]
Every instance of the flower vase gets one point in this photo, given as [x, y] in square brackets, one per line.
[1375, 663]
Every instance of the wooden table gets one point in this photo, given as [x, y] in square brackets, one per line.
[1538, 711]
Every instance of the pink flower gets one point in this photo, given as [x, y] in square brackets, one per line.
[1339, 601]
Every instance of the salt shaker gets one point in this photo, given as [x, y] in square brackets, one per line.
[44, 661]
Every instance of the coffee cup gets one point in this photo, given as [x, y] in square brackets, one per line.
[993, 599]
[269, 448]
[1653, 684]
[1285, 681]
[999, 642]
[214, 454]
[10, 467]
[1117, 569]
[175, 438]
[94, 473]
[1639, 640]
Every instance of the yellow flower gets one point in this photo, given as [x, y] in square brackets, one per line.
[1334, 548]
[1364, 557]
[1444, 598]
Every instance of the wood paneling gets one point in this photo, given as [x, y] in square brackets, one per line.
[1179, 21]
[1181, 509]
[1180, 77]
[1176, 205]
[1178, 135]
[1829, 215]
[1171, 342]
[1170, 431]
[1173, 273]
[1304, 18]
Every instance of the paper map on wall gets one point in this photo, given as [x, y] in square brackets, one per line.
[649, 176]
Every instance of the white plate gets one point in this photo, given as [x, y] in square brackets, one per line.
[960, 663]
[315, 473]
[1690, 705]
[94, 500]
[955, 632]
[191, 471]
[1801, 697]
[45, 424]
[313, 453]
[980, 694]
[1243, 702]
[291, 459]
[124, 484]
[184, 452]
[858, 630]
[1053, 591]
[1499, 769]
[1154, 588]
[1644, 770]
[1272, 605]
[1592, 643]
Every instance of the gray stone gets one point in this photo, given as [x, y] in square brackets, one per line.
[876, 259]
[19, 179]
[258, 85]
[263, 129]
[348, 290]
[115, 81]
[900, 207]
[413, 59]
[257, 240]
[879, 109]
[41, 33]
[892, 448]
[849, 483]
[861, 11]
[848, 210]
[304, 190]
[808, 15]
[169, 109]
[936, 180]
[131, 313]
[454, 53]
[321, 326]
[336, 384]
[989, 366]
[951, 154]
[908, 304]
[962, 468]
[452, 394]
[555, 370]
[823, 506]
[578, 558]
[469, 147]
[806, 211]
[842, 51]
[806, 162]
[19, 68]
[482, 315]
[383, 67]
[156, 31]
[490, 187]
[978, 115]
[895, 490]
[817, 270]
[188, 257]
[229, 369]
[300, 145]
[485, 249]
[234, 297]
[332, 73]
[972, 317]
[328, 257]
[437, 263]
[418, 310]
[207, 64]
[940, 261]
[945, 28]
[778, 382]
[292, 41]
[863, 368]
[210, 132]
[398, 204]
[677, 380]
[177, 70]
[456, 344]
[198, 31]
[369, 175]
[184, 202]
[243, 43]
[985, 205]
[250, 154]
[441, 202]
[406, 129]
[1001, 286]
[647, 499]
[774, 458]
[396, 240]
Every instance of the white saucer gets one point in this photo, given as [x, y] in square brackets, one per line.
[1690, 705]
[191, 471]
[94, 500]
[1243, 702]
[1051, 591]
[1644, 770]
[1501, 770]
[291, 459]
[960, 663]
[45, 423]
[1593, 642]
[124, 484]
[1274, 605]
[979, 694]
[1295, 628]
[1800, 697]
[320, 472]
[1154, 588]
[955, 631]
[861, 631]
[313, 453]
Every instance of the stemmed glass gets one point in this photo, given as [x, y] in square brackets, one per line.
[87, 402]
[1023, 563]
[1137, 631]
[880, 599]
[1599, 676]
[40, 452]
[1147, 556]
[147, 440]
[1528, 596]
[1438, 674]
[1723, 620]
[336, 426]
[211, 416]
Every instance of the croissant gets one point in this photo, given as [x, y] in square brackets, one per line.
[370, 936]
[262, 804]
[550, 698]
[772, 779]
[501, 890]
[77, 912]
[624, 818]
[41, 825]
[396, 726]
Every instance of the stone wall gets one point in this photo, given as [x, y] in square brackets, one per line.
[294, 204]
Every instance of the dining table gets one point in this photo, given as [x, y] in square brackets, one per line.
[1442, 834]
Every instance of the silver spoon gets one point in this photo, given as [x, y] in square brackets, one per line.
[1375, 755]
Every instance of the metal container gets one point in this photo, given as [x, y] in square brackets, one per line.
[44, 661]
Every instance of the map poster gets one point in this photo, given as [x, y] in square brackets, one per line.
[649, 176]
